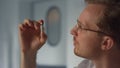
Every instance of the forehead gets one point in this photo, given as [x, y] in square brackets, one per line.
[91, 14]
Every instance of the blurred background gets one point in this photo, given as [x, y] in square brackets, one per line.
[60, 16]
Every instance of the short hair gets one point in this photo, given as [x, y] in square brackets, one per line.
[109, 22]
[103, 1]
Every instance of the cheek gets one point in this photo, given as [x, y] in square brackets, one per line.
[88, 46]
[89, 40]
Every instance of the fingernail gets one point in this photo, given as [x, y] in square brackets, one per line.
[41, 22]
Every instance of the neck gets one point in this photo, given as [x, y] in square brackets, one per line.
[111, 60]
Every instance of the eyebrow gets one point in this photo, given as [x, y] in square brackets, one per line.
[83, 24]
[79, 23]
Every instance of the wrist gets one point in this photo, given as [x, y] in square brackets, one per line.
[28, 60]
[29, 54]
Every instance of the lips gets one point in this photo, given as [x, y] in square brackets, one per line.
[74, 41]
[74, 38]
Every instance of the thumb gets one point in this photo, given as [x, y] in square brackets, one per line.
[43, 37]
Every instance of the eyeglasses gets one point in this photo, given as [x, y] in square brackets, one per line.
[80, 28]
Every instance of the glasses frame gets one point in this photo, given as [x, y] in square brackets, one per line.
[97, 31]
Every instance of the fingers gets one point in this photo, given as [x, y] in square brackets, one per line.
[41, 22]
[43, 37]
[34, 28]
[29, 23]
[37, 25]
[22, 27]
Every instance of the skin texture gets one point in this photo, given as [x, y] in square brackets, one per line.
[100, 49]
[84, 47]
[31, 40]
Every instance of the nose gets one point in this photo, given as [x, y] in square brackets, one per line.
[73, 31]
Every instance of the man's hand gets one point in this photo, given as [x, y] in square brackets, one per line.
[30, 35]
[31, 38]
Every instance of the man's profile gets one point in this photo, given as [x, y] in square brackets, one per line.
[95, 36]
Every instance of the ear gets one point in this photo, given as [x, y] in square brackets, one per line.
[107, 43]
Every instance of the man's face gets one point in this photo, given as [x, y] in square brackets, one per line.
[87, 43]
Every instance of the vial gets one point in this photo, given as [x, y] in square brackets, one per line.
[41, 26]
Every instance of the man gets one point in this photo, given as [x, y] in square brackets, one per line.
[96, 36]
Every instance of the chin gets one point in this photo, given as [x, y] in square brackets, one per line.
[77, 53]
